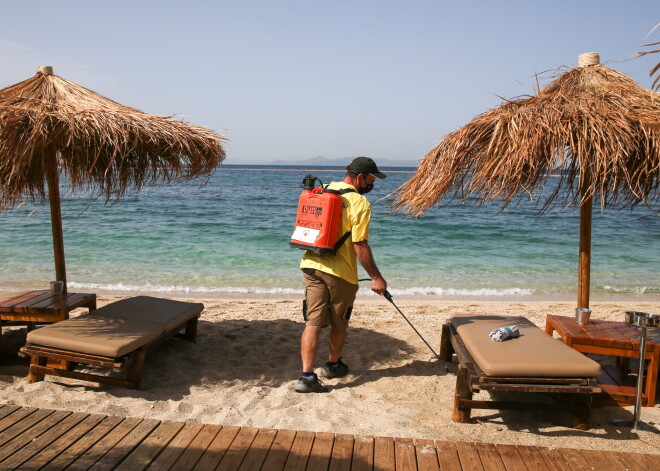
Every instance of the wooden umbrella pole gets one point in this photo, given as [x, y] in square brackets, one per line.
[55, 213]
[584, 264]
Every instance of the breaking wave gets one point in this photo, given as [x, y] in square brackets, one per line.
[217, 290]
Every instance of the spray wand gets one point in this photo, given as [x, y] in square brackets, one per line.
[388, 296]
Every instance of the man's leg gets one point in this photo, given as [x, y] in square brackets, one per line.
[309, 345]
[336, 343]
[316, 301]
[342, 295]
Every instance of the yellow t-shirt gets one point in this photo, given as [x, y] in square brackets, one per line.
[355, 217]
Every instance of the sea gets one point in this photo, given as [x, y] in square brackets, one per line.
[229, 236]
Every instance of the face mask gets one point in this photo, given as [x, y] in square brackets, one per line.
[366, 189]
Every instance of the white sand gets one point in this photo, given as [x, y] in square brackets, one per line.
[246, 360]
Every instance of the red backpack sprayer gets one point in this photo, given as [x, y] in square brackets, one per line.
[317, 229]
[318, 218]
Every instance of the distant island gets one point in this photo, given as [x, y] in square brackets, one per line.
[324, 161]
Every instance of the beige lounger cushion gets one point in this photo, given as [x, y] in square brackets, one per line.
[97, 335]
[533, 354]
[148, 309]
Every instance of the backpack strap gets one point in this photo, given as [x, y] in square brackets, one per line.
[341, 241]
[343, 191]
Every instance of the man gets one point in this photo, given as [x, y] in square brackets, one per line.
[331, 281]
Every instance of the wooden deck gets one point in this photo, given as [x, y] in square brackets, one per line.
[55, 440]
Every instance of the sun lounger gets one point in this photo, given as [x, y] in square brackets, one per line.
[116, 336]
[531, 363]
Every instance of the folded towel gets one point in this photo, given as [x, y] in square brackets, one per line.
[504, 333]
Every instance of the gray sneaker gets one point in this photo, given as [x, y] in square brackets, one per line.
[305, 385]
[339, 371]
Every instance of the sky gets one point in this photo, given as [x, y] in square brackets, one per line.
[295, 79]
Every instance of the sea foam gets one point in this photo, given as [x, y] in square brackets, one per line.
[216, 290]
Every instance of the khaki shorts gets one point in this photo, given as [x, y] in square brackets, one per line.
[328, 298]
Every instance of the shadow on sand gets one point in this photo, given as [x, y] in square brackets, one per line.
[253, 352]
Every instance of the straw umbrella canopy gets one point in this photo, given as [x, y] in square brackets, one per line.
[49, 124]
[594, 127]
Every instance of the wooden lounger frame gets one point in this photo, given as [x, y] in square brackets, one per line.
[470, 379]
[132, 364]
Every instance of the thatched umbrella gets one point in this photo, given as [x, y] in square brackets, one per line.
[49, 124]
[593, 126]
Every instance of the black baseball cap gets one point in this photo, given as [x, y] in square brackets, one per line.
[365, 165]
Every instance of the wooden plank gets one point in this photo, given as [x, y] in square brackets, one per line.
[469, 456]
[279, 450]
[319, 457]
[553, 459]
[76, 449]
[490, 457]
[238, 449]
[619, 339]
[427, 455]
[31, 430]
[25, 304]
[5, 410]
[300, 450]
[101, 447]
[384, 454]
[652, 462]
[363, 453]
[565, 329]
[511, 458]
[217, 449]
[46, 439]
[39, 443]
[653, 371]
[258, 451]
[76, 300]
[94, 378]
[574, 458]
[36, 317]
[126, 445]
[54, 302]
[79, 357]
[67, 303]
[151, 447]
[532, 458]
[197, 447]
[635, 461]
[168, 456]
[448, 456]
[63, 443]
[342, 453]
[632, 333]
[7, 304]
[404, 454]
[599, 334]
[574, 334]
[603, 460]
[17, 416]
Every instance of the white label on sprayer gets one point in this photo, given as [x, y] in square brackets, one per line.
[305, 234]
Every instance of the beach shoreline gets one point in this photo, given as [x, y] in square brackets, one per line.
[243, 367]
[363, 294]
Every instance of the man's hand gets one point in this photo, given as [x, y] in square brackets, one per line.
[379, 285]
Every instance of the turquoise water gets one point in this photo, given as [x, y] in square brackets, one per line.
[231, 236]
